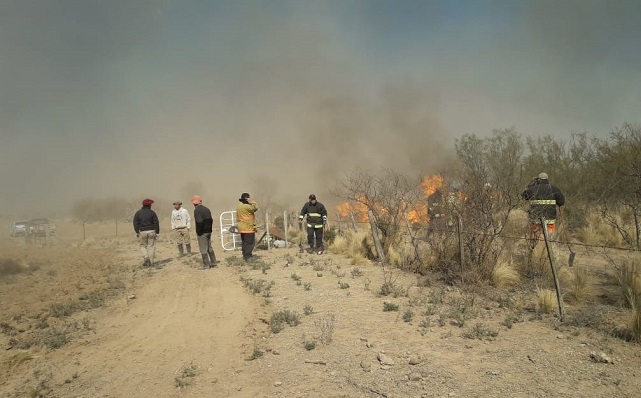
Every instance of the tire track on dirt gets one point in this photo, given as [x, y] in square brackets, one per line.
[180, 317]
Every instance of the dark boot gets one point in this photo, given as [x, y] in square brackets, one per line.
[180, 250]
[212, 259]
[188, 249]
[206, 262]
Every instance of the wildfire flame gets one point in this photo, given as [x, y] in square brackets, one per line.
[417, 213]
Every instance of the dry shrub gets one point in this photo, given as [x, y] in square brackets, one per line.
[340, 245]
[597, 232]
[580, 286]
[517, 224]
[357, 246]
[504, 275]
[629, 279]
[9, 266]
[546, 300]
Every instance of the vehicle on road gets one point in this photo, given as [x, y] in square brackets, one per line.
[18, 228]
[40, 227]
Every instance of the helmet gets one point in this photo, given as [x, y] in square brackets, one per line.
[312, 197]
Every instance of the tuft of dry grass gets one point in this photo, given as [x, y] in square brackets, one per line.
[580, 285]
[546, 300]
[629, 279]
[340, 245]
[504, 275]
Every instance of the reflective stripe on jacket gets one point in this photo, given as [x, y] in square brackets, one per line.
[316, 214]
[543, 198]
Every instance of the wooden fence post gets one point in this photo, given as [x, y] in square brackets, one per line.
[559, 299]
[377, 242]
[459, 228]
[409, 229]
[286, 228]
[351, 215]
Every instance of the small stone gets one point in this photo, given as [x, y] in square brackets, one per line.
[384, 359]
[560, 336]
[275, 352]
[278, 383]
[385, 367]
[415, 376]
[366, 365]
[415, 359]
[131, 297]
[600, 357]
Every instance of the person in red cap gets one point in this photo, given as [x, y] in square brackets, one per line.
[147, 228]
[204, 228]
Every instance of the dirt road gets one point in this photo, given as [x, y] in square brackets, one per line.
[176, 331]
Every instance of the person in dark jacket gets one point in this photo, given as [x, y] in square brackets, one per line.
[544, 199]
[147, 229]
[316, 221]
[204, 228]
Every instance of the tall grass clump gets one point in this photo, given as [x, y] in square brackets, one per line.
[546, 300]
[629, 278]
[504, 275]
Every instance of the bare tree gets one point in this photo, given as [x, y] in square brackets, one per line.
[388, 194]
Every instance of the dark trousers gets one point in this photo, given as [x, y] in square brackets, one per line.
[204, 245]
[318, 232]
[247, 244]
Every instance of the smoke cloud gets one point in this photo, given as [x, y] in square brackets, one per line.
[280, 99]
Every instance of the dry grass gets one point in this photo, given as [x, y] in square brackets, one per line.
[629, 278]
[504, 275]
[596, 232]
[357, 246]
[546, 300]
[517, 224]
[580, 285]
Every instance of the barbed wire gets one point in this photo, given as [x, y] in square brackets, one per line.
[453, 230]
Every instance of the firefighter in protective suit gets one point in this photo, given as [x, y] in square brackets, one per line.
[544, 199]
[316, 221]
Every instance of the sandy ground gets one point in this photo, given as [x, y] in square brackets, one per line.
[176, 331]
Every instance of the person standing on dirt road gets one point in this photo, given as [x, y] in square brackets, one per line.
[204, 229]
[247, 224]
[180, 225]
[316, 222]
[147, 229]
[544, 199]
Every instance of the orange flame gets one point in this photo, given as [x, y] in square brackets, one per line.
[431, 184]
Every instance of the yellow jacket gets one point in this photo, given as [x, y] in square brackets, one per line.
[245, 217]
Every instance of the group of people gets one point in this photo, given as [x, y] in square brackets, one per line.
[147, 228]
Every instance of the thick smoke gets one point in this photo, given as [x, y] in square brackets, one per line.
[280, 99]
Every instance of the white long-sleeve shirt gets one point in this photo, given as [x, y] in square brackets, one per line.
[180, 219]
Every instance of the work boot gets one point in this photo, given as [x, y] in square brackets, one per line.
[320, 250]
[180, 250]
[206, 262]
[310, 250]
[146, 262]
[212, 259]
[188, 245]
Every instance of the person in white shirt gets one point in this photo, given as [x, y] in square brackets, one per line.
[180, 225]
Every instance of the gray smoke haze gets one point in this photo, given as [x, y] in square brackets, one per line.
[150, 98]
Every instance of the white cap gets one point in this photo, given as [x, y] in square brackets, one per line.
[543, 176]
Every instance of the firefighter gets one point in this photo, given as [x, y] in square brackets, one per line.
[316, 222]
[544, 199]
[247, 224]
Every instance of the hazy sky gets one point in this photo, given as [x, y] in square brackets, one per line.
[142, 98]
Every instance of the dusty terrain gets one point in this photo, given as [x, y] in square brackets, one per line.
[89, 321]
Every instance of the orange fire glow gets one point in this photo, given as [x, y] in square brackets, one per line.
[417, 212]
